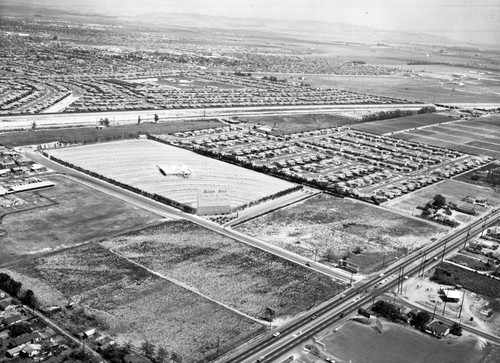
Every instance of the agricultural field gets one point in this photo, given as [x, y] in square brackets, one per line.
[92, 134]
[228, 271]
[293, 123]
[453, 191]
[478, 136]
[136, 163]
[362, 343]
[76, 214]
[478, 176]
[133, 305]
[401, 123]
[329, 228]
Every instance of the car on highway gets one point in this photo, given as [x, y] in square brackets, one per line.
[342, 296]
[260, 359]
[277, 334]
[314, 317]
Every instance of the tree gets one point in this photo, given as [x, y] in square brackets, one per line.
[439, 201]
[162, 354]
[33, 126]
[104, 122]
[156, 118]
[139, 120]
[456, 329]
[19, 329]
[421, 319]
[30, 299]
[148, 349]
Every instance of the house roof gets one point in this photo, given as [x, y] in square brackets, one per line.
[439, 327]
[452, 294]
[12, 319]
[25, 338]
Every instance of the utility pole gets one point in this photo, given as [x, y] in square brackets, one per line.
[444, 250]
[462, 304]
[218, 342]
[434, 312]
[444, 308]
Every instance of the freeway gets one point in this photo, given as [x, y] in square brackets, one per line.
[74, 119]
[306, 326]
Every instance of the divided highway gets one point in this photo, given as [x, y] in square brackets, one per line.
[305, 327]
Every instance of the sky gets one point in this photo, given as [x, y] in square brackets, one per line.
[463, 20]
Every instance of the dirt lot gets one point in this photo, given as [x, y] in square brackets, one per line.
[331, 228]
[355, 342]
[79, 214]
[91, 134]
[135, 305]
[288, 124]
[425, 292]
[401, 123]
[452, 190]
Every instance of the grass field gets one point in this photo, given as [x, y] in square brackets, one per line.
[79, 215]
[91, 134]
[470, 262]
[331, 228]
[228, 271]
[453, 191]
[288, 124]
[137, 305]
[401, 123]
[355, 342]
[479, 136]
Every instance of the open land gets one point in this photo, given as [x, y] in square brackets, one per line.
[228, 271]
[136, 305]
[92, 134]
[478, 310]
[137, 162]
[478, 136]
[479, 176]
[288, 124]
[427, 86]
[401, 123]
[331, 228]
[362, 343]
[453, 191]
[78, 214]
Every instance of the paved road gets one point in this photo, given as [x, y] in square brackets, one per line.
[130, 117]
[169, 212]
[301, 329]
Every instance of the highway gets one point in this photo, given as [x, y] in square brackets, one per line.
[24, 122]
[268, 348]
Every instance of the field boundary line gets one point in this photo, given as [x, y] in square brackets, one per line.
[183, 285]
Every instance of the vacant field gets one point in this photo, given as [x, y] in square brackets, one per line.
[452, 190]
[91, 134]
[479, 136]
[331, 228]
[135, 163]
[228, 271]
[138, 306]
[289, 124]
[80, 214]
[426, 88]
[470, 262]
[361, 343]
[478, 176]
[401, 123]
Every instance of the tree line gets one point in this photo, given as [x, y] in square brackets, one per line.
[14, 288]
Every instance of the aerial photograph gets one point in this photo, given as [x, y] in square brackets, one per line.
[243, 181]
